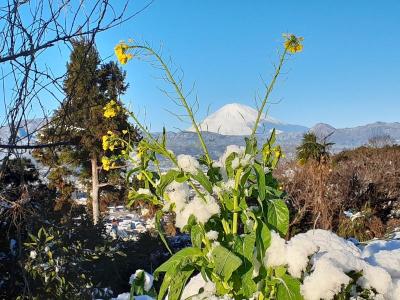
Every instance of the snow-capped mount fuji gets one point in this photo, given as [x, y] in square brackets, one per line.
[239, 119]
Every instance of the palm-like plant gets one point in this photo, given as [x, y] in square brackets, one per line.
[313, 149]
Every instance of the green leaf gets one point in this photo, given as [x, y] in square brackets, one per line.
[182, 256]
[263, 238]
[131, 172]
[248, 245]
[225, 262]
[178, 282]
[280, 271]
[228, 201]
[289, 288]
[197, 235]
[181, 178]
[251, 145]
[272, 137]
[165, 284]
[260, 180]
[41, 231]
[203, 180]
[49, 238]
[278, 216]
[228, 164]
[33, 238]
[165, 180]
[244, 177]
[245, 247]
[249, 287]
[164, 138]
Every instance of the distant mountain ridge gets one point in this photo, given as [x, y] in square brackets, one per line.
[230, 124]
[357, 136]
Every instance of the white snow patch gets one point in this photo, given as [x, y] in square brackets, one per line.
[148, 279]
[195, 285]
[202, 209]
[126, 296]
[188, 164]
[331, 258]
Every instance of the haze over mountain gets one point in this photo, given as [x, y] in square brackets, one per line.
[239, 119]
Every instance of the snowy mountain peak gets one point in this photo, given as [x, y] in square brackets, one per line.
[322, 129]
[238, 119]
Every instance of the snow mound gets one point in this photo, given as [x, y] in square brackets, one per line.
[332, 258]
[323, 261]
[198, 288]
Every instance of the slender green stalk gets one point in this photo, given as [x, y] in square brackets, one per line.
[236, 202]
[268, 92]
[181, 97]
[149, 179]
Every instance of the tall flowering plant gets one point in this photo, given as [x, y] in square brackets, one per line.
[229, 206]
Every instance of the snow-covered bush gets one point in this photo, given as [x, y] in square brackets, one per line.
[233, 210]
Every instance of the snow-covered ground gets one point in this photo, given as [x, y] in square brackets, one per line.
[331, 259]
[130, 223]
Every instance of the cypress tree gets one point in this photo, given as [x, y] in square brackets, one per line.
[88, 87]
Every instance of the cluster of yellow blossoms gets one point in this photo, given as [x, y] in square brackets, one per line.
[121, 51]
[293, 43]
[111, 109]
[106, 162]
[111, 140]
[276, 152]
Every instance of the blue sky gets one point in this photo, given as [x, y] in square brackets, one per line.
[347, 75]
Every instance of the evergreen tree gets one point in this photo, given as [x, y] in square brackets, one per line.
[312, 149]
[88, 86]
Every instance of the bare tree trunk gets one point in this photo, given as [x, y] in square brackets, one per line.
[95, 191]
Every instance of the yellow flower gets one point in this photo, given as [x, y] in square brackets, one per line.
[120, 51]
[111, 109]
[124, 131]
[293, 43]
[106, 143]
[277, 151]
[106, 163]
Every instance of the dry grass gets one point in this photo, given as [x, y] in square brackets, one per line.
[318, 194]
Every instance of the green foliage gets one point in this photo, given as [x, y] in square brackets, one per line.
[48, 264]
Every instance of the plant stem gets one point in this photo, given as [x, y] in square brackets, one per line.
[236, 202]
[182, 98]
[268, 92]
